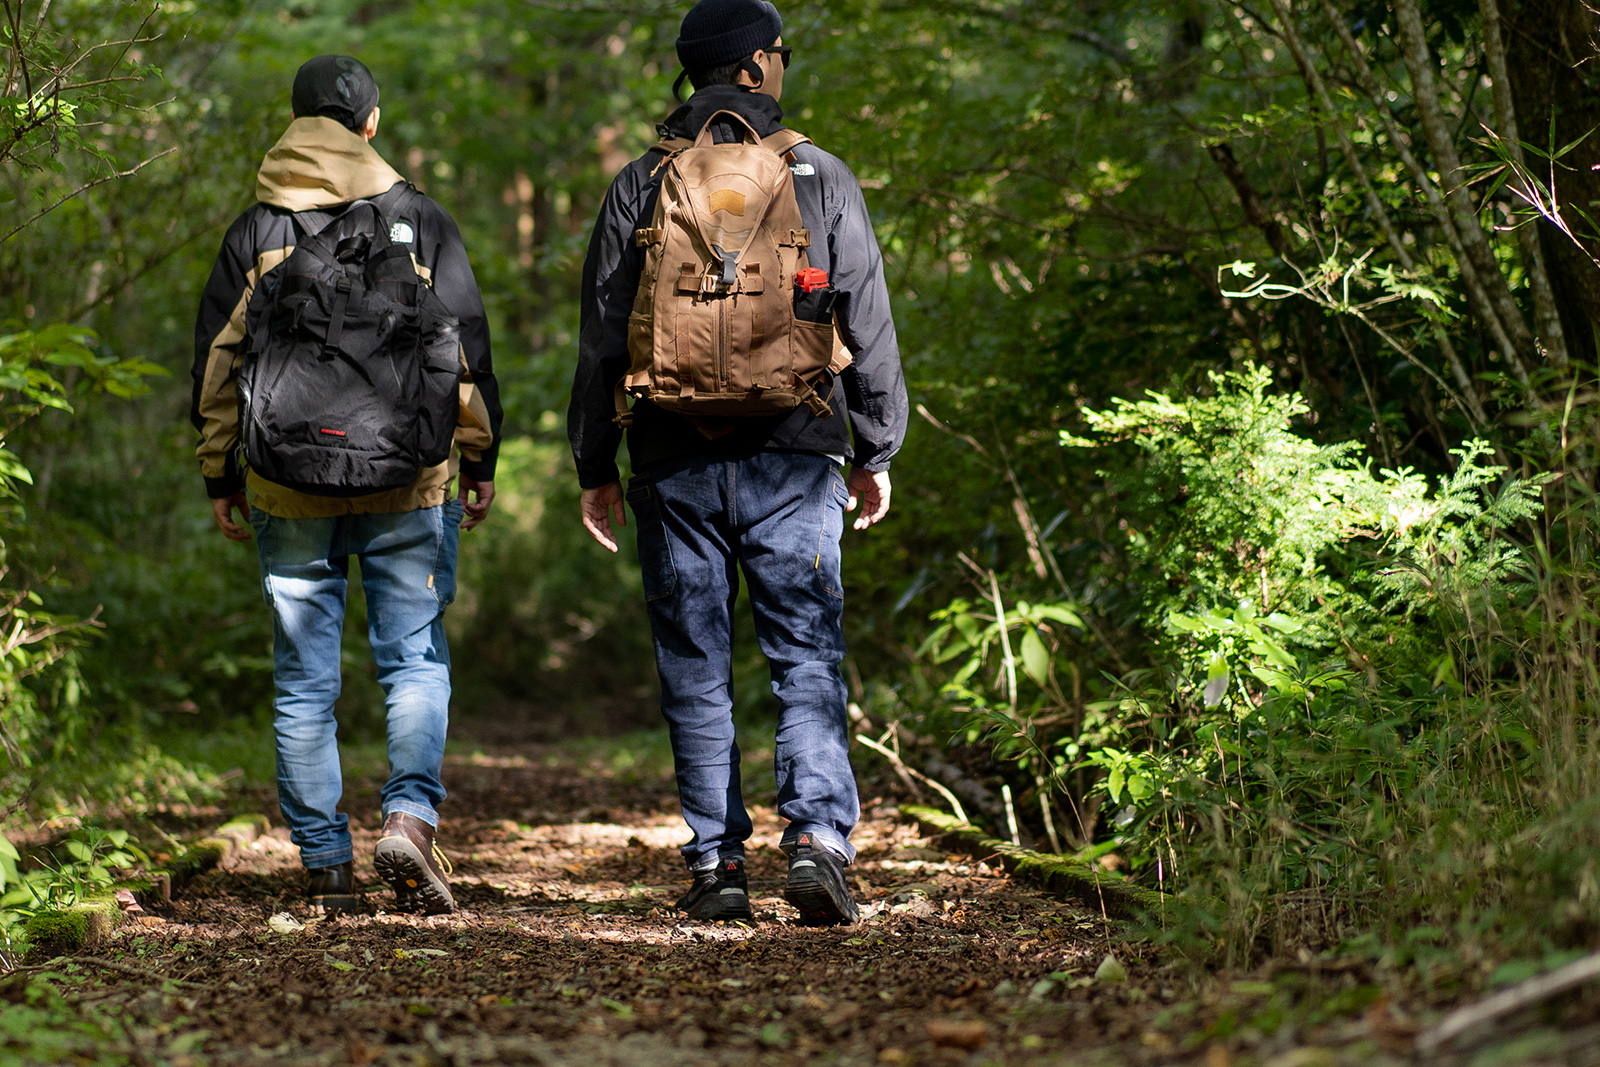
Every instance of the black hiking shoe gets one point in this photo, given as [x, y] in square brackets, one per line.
[817, 886]
[412, 864]
[719, 894]
[333, 889]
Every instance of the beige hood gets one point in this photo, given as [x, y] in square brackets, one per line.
[318, 163]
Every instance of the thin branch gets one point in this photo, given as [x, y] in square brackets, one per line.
[955, 805]
[135, 169]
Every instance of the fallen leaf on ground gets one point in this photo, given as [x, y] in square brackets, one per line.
[284, 923]
[958, 1033]
[1310, 1056]
[1111, 971]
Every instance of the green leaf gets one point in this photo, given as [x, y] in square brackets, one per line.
[1035, 658]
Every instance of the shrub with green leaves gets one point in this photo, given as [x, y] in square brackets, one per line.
[1316, 637]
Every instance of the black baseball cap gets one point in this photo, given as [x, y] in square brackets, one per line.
[336, 87]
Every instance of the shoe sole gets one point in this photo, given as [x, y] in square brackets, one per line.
[724, 907]
[400, 863]
[818, 907]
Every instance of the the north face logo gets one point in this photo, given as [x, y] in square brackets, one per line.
[401, 233]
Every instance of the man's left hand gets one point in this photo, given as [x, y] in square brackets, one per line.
[475, 511]
[871, 490]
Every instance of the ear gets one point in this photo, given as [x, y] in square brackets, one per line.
[371, 129]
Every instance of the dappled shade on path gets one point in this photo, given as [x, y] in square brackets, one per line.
[567, 948]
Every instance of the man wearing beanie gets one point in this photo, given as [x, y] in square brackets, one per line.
[762, 494]
[405, 538]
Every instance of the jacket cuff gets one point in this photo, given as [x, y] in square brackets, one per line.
[876, 466]
[479, 470]
[224, 487]
[598, 475]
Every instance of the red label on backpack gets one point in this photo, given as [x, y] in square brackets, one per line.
[335, 433]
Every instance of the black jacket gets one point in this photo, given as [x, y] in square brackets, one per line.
[317, 166]
[831, 203]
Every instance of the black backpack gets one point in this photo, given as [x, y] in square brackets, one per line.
[348, 382]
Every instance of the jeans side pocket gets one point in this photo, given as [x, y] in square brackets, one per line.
[444, 566]
[830, 562]
[655, 551]
[263, 527]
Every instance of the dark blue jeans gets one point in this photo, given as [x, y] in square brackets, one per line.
[777, 516]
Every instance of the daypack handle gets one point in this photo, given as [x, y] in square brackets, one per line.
[706, 137]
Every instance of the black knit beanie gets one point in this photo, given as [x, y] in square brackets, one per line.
[718, 32]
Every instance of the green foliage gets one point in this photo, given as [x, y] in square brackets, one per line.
[1338, 674]
[81, 865]
[1219, 637]
[39, 1025]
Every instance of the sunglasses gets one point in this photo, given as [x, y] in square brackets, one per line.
[782, 51]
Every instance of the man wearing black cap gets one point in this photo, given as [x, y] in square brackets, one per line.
[761, 494]
[406, 538]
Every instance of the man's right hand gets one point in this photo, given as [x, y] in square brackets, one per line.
[222, 509]
[599, 505]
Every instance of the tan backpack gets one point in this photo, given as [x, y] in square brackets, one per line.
[713, 330]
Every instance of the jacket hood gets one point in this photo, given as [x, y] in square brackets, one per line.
[317, 164]
[762, 112]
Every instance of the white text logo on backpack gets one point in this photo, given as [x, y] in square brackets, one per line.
[802, 170]
[401, 233]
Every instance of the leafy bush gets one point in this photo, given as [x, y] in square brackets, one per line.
[1333, 677]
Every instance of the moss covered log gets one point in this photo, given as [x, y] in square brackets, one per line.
[205, 855]
[61, 933]
[1066, 878]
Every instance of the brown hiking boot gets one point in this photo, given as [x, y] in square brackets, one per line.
[412, 864]
[333, 889]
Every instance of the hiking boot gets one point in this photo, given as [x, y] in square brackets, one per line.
[412, 864]
[817, 886]
[719, 894]
[333, 889]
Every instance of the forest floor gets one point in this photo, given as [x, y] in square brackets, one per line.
[566, 951]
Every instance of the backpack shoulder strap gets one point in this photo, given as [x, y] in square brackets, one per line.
[669, 145]
[706, 137]
[397, 199]
[310, 223]
[785, 141]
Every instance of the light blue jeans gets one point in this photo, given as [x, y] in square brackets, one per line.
[408, 572]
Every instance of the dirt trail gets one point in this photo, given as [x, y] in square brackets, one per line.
[567, 949]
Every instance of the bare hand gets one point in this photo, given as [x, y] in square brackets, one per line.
[222, 509]
[474, 512]
[599, 505]
[871, 490]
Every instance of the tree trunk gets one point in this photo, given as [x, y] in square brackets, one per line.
[1547, 319]
[1551, 51]
[1503, 317]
